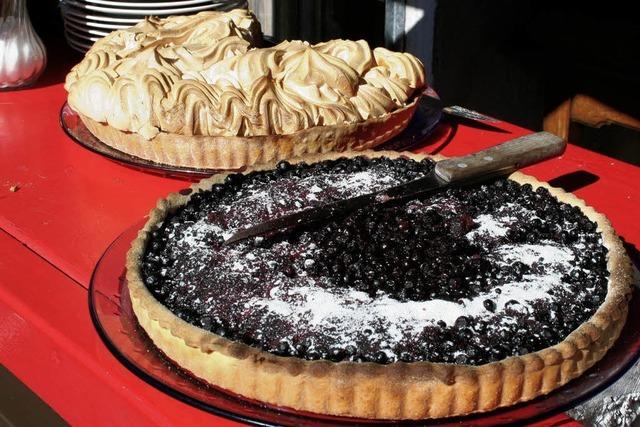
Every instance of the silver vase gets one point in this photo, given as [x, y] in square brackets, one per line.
[22, 55]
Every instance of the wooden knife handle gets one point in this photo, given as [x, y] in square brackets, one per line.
[501, 159]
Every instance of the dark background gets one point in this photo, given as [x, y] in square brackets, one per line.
[512, 60]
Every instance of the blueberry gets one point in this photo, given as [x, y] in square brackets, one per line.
[283, 166]
[313, 355]
[336, 354]
[350, 350]
[461, 322]
[461, 359]
[547, 334]
[406, 356]
[283, 349]
[380, 357]
[205, 322]
[218, 189]
[233, 178]
[300, 348]
[489, 305]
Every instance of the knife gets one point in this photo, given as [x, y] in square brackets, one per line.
[429, 113]
[435, 103]
[496, 161]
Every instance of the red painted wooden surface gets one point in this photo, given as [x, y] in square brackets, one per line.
[71, 203]
[48, 341]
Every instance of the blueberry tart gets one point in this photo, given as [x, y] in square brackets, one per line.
[200, 91]
[463, 301]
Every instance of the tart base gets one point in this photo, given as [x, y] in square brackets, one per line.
[399, 390]
[235, 152]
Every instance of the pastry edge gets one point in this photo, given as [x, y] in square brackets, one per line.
[236, 152]
[399, 390]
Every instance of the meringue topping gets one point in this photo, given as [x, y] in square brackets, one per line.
[205, 75]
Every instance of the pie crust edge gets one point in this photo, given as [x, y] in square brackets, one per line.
[235, 152]
[399, 390]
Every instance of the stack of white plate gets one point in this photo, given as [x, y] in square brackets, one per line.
[86, 21]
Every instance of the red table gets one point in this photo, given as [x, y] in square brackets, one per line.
[71, 203]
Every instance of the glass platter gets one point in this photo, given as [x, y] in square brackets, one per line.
[424, 122]
[113, 317]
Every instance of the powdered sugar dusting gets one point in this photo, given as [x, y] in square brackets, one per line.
[547, 254]
[497, 224]
[344, 313]
[489, 226]
[193, 239]
[258, 202]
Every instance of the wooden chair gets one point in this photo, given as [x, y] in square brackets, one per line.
[588, 111]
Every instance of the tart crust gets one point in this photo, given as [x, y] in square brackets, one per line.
[236, 152]
[399, 390]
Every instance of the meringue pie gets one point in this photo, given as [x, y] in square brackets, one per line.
[463, 301]
[200, 91]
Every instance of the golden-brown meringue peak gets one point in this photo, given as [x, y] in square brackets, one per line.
[201, 75]
[357, 54]
[316, 77]
[401, 66]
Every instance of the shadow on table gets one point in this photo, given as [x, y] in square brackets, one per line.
[573, 181]
[576, 180]
[446, 130]
[633, 253]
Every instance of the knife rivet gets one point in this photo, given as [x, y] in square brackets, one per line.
[487, 158]
[462, 165]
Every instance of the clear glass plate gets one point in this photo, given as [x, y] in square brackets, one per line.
[113, 317]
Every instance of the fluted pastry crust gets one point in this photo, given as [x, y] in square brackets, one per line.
[399, 390]
[235, 152]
